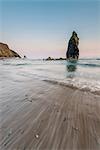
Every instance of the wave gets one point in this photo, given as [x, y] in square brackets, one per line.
[73, 86]
[17, 64]
[89, 65]
[81, 62]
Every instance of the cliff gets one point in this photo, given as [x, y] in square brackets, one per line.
[6, 52]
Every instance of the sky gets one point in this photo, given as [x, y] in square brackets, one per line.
[42, 28]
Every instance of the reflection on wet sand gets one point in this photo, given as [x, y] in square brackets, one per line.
[71, 68]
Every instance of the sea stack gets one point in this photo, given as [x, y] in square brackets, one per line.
[72, 50]
[5, 52]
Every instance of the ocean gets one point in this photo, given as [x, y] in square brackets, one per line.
[85, 74]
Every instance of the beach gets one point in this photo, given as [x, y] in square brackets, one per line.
[46, 116]
[39, 114]
[49, 74]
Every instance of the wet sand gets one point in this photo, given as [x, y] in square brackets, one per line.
[38, 115]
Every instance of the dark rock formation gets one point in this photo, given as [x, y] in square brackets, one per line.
[60, 58]
[49, 58]
[6, 52]
[25, 56]
[72, 50]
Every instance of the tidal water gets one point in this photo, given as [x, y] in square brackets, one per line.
[84, 74]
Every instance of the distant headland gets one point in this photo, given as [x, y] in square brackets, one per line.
[50, 58]
[5, 52]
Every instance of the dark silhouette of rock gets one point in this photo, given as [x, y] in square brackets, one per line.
[6, 52]
[72, 50]
[25, 56]
[49, 58]
[59, 58]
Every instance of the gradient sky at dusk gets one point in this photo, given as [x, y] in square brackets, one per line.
[42, 28]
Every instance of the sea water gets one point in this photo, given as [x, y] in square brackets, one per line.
[84, 74]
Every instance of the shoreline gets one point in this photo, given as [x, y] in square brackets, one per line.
[44, 116]
[86, 89]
